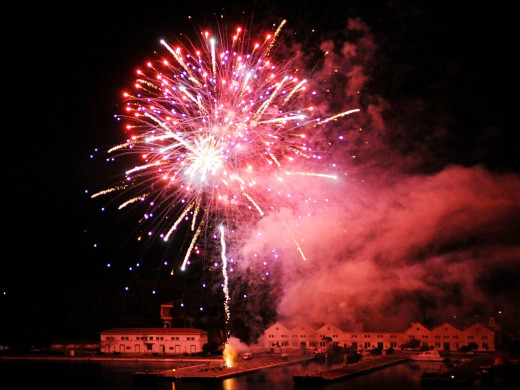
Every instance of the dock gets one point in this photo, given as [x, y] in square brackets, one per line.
[217, 370]
[351, 370]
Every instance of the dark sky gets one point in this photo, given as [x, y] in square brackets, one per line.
[444, 66]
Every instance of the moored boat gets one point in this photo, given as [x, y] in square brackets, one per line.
[428, 356]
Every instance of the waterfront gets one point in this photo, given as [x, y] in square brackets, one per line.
[119, 375]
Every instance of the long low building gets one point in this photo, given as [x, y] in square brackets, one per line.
[153, 340]
[444, 337]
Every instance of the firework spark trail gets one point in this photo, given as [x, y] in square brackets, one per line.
[298, 247]
[337, 116]
[132, 200]
[214, 130]
[225, 275]
[192, 244]
[176, 224]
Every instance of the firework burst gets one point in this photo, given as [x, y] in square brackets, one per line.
[213, 128]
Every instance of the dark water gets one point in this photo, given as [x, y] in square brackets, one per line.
[42, 375]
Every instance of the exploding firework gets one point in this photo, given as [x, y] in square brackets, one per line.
[216, 129]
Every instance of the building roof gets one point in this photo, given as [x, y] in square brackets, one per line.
[478, 327]
[154, 331]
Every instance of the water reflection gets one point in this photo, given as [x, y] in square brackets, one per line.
[119, 376]
[229, 384]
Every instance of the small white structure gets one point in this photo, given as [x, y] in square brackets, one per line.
[153, 340]
[428, 356]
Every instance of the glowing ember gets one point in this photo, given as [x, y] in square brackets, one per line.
[229, 355]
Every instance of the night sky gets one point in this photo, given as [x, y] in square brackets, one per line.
[438, 92]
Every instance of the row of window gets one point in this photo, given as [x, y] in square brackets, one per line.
[145, 338]
[380, 336]
[354, 336]
[455, 337]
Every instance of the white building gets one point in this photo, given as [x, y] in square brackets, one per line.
[153, 340]
[304, 336]
[444, 337]
[330, 333]
[480, 335]
[277, 336]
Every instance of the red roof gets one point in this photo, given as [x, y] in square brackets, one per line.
[154, 331]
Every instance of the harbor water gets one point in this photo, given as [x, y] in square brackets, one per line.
[119, 375]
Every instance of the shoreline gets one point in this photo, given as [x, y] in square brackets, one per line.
[110, 358]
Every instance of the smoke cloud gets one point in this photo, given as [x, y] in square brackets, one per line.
[419, 249]
[390, 241]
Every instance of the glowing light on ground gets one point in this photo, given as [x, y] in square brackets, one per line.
[229, 354]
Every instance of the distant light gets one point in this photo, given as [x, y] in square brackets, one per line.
[126, 288]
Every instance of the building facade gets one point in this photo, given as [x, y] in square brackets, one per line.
[445, 337]
[153, 340]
